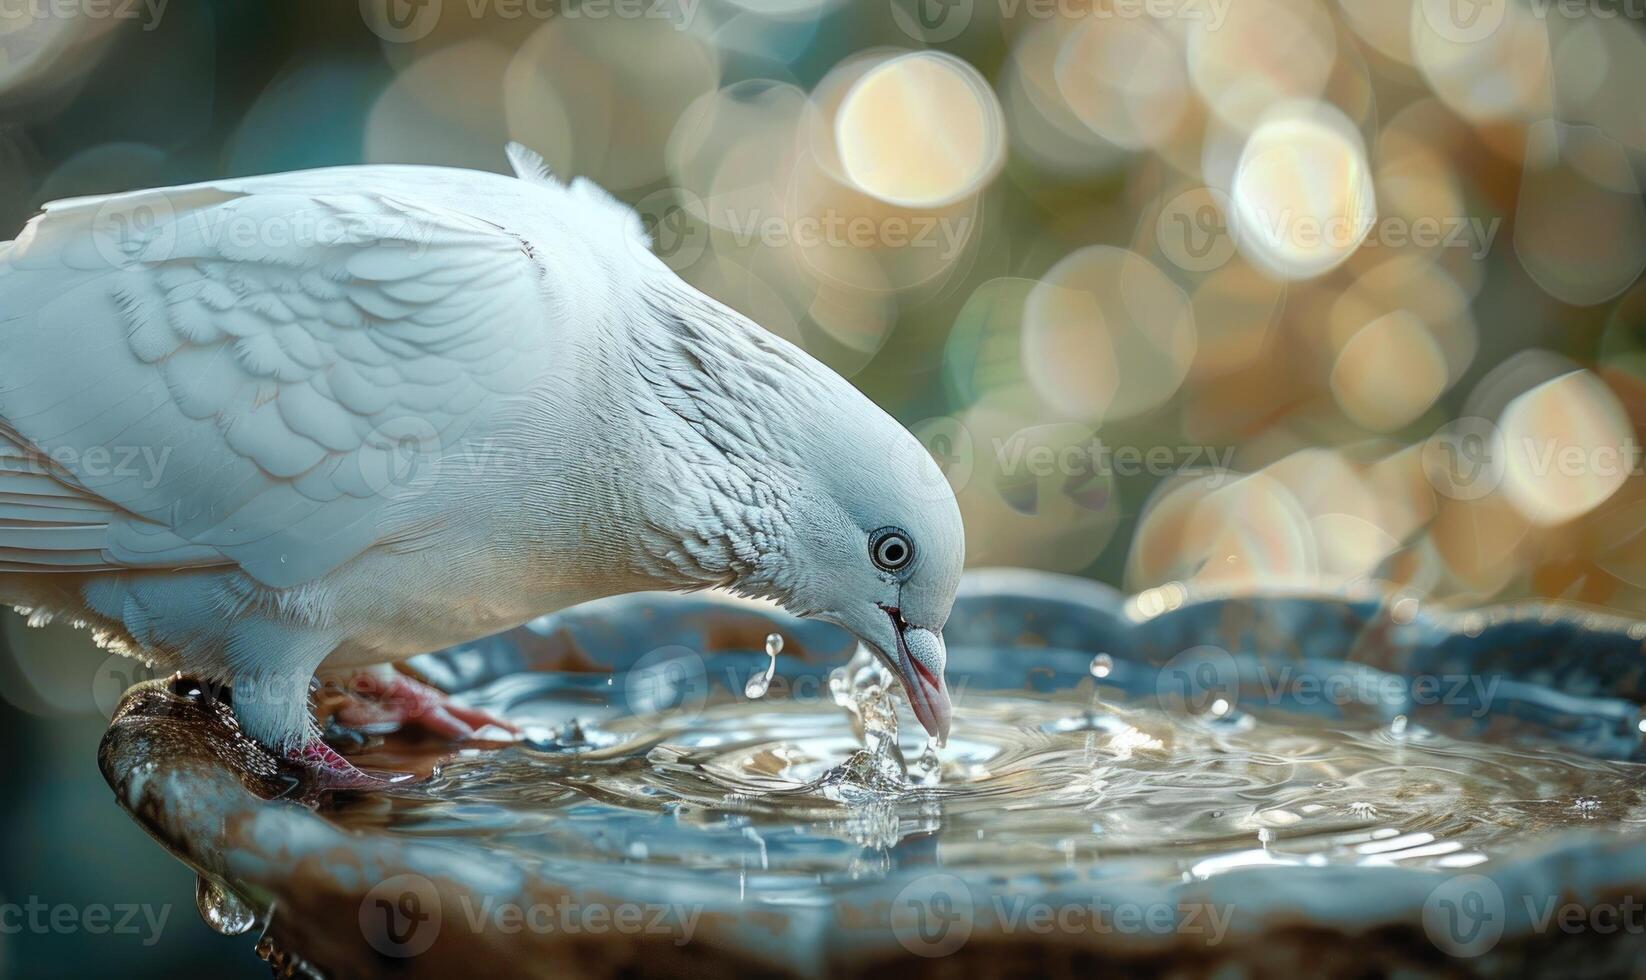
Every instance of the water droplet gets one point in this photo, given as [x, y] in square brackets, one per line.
[222, 909]
[759, 683]
[1221, 707]
[1102, 664]
[1397, 727]
[928, 769]
[638, 850]
[1640, 723]
[1404, 610]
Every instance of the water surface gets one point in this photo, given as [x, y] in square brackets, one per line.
[833, 788]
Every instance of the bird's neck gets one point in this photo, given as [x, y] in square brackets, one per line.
[717, 454]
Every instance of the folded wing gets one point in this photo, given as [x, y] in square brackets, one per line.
[233, 375]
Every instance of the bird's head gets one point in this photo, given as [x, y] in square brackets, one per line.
[785, 482]
[878, 549]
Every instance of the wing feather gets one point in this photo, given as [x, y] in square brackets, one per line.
[232, 374]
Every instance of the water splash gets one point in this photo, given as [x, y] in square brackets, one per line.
[863, 686]
[759, 683]
[927, 770]
[221, 909]
[1016, 784]
[1102, 665]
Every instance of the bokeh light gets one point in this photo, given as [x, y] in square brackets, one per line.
[921, 129]
[1107, 335]
[1302, 192]
[1333, 262]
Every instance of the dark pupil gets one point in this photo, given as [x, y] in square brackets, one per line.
[892, 552]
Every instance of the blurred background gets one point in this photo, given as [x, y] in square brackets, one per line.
[1212, 294]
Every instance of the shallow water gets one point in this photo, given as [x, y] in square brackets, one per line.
[835, 789]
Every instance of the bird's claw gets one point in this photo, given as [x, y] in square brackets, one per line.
[329, 770]
[394, 702]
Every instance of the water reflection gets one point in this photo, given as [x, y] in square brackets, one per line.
[809, 790]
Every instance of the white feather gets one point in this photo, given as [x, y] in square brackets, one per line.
[350, 415]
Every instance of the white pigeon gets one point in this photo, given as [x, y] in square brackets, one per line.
[252, 428]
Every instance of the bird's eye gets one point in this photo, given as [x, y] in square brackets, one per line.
[891, 549]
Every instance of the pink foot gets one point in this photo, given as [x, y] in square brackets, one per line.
[393, 701]
[330, 770]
